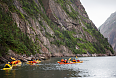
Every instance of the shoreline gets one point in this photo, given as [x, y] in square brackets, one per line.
[24, 58]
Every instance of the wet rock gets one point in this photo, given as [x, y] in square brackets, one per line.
[94, 55]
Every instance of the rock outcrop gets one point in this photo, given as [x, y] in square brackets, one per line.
[108, 29]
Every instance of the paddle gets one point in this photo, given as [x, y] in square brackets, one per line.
[69, 60]
[13, 58]
[76, 57]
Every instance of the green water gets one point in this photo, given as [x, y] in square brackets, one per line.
[92, 67]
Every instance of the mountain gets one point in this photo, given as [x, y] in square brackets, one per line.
[108, 29]
[48, 28]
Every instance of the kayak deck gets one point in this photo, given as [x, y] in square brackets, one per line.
[16, 63]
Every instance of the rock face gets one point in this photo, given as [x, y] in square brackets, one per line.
[108, 29]
[54, 27]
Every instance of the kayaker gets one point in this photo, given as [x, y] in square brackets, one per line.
[73, 60]
[30, 61]
[16, 62]
[34, 61]
[65, 61]
[62, 60]
[19, 61]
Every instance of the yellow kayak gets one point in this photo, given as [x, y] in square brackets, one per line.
[78, 62]
[69, 62]
[7, 67]
[31, 62]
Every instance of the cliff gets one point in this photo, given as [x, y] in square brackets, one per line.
[108, 29]
[48, 28]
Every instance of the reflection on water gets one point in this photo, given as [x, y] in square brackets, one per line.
[92, 67]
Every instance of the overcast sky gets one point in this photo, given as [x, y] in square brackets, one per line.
[99, 10]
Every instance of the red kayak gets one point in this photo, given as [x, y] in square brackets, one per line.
[65, 63]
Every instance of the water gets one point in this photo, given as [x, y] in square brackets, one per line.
[92, 67]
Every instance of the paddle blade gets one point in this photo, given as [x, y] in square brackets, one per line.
[13, 58]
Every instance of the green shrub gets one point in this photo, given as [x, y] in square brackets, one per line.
[11, 36]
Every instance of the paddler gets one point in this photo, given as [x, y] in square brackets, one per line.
[34, 61]
[65, 61]
[78, 61]
[17, 62]
[62, 60]
[73, 60]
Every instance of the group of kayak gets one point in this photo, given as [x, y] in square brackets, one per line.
[10, 65]
[69, 62]
[15, 62]
[33, 62]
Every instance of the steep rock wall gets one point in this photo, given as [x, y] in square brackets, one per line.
[54, 27]
[34, 29]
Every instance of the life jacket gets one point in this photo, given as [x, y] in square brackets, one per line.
[16, 62]
[34, 62]
[31, 62]
[62, 60]
[73, 60]
[78, 60]
[65, 61]
[19, 61]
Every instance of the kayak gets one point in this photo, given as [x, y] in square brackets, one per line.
[7, 67]
[69, 62]
[78, 62]
[65, 63]
[16, 63]
[31, 62]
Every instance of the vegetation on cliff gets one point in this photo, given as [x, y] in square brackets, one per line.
[12, 37]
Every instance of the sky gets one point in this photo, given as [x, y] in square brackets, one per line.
[99, 10]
